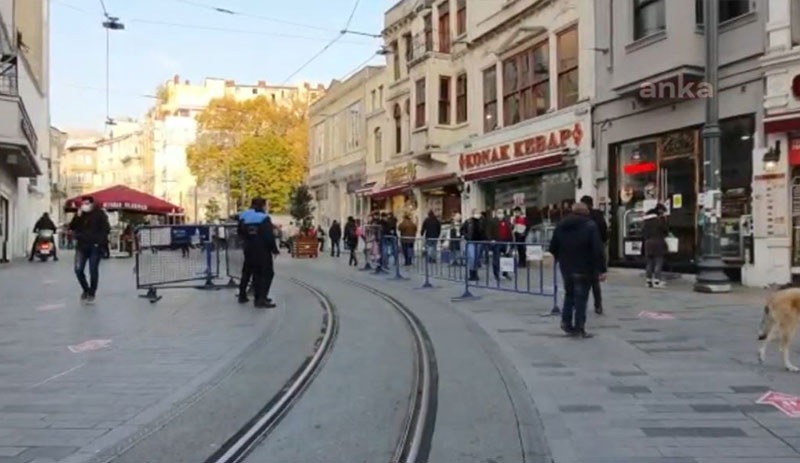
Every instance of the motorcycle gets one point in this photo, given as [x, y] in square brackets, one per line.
[45, 246]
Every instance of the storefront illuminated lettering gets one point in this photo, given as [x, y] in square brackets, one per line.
[118, 205]
[528, 147]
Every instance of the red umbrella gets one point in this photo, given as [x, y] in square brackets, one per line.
[122, 198]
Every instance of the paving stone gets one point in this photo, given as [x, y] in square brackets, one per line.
[749, 389]
[714, 408]
[627, 373]
[629, 389]
[548, 365]
[580, 408]
[709, 432]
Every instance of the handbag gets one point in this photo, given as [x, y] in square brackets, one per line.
[672, 244]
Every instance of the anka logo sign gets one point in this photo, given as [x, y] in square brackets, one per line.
[675, 89]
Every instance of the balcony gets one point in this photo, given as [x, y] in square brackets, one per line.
[18, 141]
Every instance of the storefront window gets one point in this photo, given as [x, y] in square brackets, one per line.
[638, 170]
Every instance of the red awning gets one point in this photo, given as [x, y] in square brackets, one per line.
[439, 180]
[390, 191]
[783, 123]
[122, 198]
[516, 168]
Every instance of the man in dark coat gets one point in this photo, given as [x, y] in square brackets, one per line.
[431, 230]
[91, 228]
[474, 230]
[258, 243]
[335, 234]
[579, 252]
[44, 223]
[599, 219]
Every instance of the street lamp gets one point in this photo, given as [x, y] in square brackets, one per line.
[711, 277]
[112, 23]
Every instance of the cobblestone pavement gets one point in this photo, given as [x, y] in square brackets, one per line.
[679, 389]
[63, 399]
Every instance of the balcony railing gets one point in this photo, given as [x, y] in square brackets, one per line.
[8, 87]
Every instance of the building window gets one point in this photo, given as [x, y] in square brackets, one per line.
[526, 84]
[374, 95]
[377, 140]
[461, 98]
[396, 59]
[380, 97]
[728, 9]
[444, 100]
[795, 13]
[419, 110]
[428, 32]
[444, 27]
[398, 129]
[649, 17]
[490, 99]
[407, 43]
[354, 127]
[461, 17]
[567, 49]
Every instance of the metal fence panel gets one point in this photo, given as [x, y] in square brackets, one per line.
[174, 256]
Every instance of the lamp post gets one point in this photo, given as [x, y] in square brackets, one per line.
[111, 23]
[711, 277]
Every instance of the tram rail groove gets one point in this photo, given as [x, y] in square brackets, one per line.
[236, 448]
[414, 443]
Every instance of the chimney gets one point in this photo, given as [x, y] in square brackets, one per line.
[262, 83]
[176, 79]
[230, 83]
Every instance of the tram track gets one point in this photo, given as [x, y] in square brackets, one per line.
[414, 441]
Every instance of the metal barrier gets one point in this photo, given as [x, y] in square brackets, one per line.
[489, 265]
[176, 256]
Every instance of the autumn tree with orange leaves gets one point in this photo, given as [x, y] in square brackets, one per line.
[255, 147]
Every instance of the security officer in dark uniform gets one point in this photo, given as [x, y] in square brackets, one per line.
[258, 243]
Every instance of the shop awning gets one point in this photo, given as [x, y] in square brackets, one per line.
[122, 198]
[390, 191]
[782, 123]
[365, 188]
[515, 168]
[437, 180]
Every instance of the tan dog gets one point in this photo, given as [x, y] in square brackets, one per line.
[781, 315]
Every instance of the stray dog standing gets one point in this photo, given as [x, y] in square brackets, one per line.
[781, 315]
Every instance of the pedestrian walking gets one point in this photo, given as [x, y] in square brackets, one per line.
[520, 223]
[455, 240]
[473, 232]
[599, 219]
[431, 231]
[258, 243]
[578, 250]
[654, 233]
[408, 233]
[351, 240]
[90, 227]
[335, 234]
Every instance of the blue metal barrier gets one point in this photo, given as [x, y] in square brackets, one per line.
[487, 265]
[176, 256]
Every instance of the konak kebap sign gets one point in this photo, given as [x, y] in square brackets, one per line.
[535, 146]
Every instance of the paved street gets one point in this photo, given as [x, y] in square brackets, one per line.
[679, 390]
[151, 361]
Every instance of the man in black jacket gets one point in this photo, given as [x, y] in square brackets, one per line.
[44, 223]
[91, 228]
[431, 230]
[599, 219]
[578, 250]
[258, 242]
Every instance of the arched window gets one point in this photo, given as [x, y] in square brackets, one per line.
[398, 129]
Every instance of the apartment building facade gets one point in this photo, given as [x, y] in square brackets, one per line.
[487, 106]
[24, 122]
[776, 202]
[58, 144]
[649, 112]
[120, 156]
[79, 163]
[170, 127]
[338, 144]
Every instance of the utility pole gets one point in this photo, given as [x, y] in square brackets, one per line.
[711, 277]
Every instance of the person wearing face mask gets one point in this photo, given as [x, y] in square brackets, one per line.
[455, 239]
[472, 231]
[90, 228]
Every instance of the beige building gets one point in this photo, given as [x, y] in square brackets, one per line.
[79, 162]
[58, 144]
[120, 159]
[485, 105]
[339, 139]
[24, 122]
[170, 127]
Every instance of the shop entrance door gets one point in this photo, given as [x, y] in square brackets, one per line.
[678, 191]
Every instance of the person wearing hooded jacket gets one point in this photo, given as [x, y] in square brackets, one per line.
[654, 233]
[578, 249]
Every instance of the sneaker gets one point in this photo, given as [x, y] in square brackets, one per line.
[84, 297]
[598, 310]
[659, 284]
[243, 299]
[582, 334]
[89, 299]
[264, 305]
[568, 330]
[649, 283]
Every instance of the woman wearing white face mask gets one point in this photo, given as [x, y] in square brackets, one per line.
[91, 228]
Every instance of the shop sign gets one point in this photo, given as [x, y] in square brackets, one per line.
[124, 205]
[794, 151]
[534, 146]
[401, 174]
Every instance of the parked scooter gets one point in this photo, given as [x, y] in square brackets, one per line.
[44, 245]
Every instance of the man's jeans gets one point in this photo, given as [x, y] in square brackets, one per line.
[430, 249]
[473, 254]
[576, 298]
[92, 255]
[408, 251]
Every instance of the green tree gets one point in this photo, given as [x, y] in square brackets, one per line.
[300, 207]
[245, 138]
[212, 210]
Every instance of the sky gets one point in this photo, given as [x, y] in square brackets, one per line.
[266, 40]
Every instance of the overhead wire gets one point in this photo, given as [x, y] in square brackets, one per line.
[230, 12]
[326, 47]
